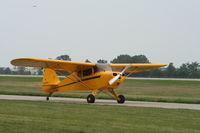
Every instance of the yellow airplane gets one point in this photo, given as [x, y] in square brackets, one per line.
[83, 76]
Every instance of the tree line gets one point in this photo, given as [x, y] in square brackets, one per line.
[186, 70]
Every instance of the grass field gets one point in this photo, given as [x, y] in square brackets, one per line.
[49, 117]
[133, 89]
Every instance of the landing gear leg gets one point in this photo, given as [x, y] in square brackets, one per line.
[119, 98]
[48, 96]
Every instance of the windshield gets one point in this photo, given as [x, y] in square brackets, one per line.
[103, 67]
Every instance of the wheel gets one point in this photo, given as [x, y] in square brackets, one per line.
[90, 98]
[47, 98]
[122, 99]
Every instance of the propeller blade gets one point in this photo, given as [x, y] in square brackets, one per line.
[113, 80]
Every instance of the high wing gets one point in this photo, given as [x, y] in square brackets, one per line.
[69, 66]
[135, 67]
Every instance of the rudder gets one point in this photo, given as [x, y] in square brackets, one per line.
[50, 80]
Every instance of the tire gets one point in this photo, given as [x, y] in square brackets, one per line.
[47, 98]
[122, 99]
[90, 98]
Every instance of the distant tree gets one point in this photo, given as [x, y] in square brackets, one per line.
[87, 61]
[139, 59]
[7, 70]
[183, 71]
[122, 59]
[1, 70]
[64, 57]
[194, 70]
[141, 74]
[157, 73]
[130, 59]
[21, 70]
[102, 61]
[170, 71]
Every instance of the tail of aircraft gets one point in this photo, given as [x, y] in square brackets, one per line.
[50, 80]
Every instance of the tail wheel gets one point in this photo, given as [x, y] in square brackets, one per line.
[90, 98]
[121, 99]
[47, 98]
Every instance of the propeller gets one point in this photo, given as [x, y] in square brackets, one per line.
[113, 80]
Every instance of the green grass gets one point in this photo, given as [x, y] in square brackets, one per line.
[162, 90]
[133, 89]
[50, 117]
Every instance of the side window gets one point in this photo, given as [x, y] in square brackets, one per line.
[79, 74]
[87, 72]
[95, 69]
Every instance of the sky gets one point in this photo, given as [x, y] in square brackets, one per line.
[163, 30]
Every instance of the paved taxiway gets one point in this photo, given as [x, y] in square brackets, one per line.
[105, 102]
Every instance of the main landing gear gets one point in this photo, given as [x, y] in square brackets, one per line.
[120, 98]
[90, 98]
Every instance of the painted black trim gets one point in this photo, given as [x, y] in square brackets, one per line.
[78, 81]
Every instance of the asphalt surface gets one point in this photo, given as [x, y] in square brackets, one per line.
[104, 102]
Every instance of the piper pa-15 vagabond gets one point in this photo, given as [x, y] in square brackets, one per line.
[83, 76]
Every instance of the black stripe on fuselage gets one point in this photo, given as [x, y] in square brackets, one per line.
[78, 81]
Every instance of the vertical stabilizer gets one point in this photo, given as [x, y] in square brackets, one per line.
[50, 80]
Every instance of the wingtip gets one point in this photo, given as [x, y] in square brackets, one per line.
[165, 65]
[13, 62]
[16, 61]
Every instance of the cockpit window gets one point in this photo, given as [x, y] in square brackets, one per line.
[79, 74]
[87, 72]
[103, 67]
